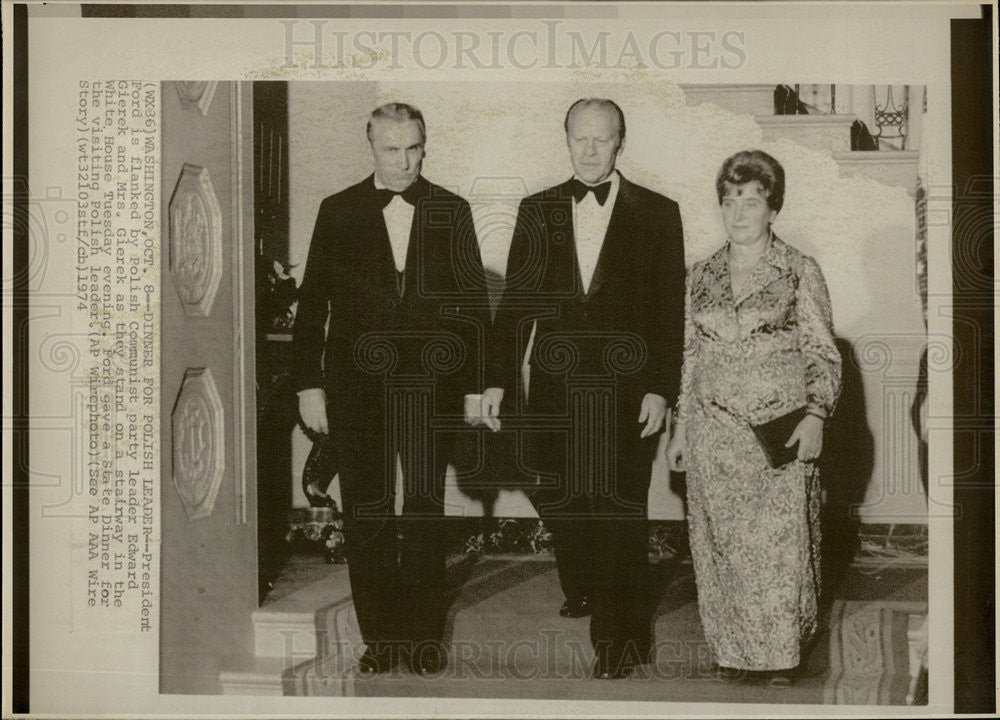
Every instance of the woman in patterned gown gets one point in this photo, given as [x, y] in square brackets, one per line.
[758, 344]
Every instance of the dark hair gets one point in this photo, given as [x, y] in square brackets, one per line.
[749, 165]
[601, 103]
[398, 112]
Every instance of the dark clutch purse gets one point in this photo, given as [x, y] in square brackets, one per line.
[773, 435]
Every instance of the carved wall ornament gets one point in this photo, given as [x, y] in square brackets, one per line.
[195, 234]
[196, 93]
[198, 439]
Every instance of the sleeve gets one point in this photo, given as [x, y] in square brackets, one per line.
[503, 352]
[816, 340]
[691, 341]
[665, 310]
[308, 333]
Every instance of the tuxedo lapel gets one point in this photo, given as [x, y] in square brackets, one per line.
[380, 247]
[414, 257]
[562, 248]
[617, 228]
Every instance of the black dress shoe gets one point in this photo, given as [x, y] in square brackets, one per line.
[728, 674]
[428, 659]
[575, 608]
[374, 663]
[781, 678]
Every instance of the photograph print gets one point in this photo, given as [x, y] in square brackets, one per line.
[563, 390]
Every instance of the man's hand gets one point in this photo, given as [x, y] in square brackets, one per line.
[312, 408]
[490, 408]
[653, 412]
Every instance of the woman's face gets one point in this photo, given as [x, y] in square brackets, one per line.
[745, 213]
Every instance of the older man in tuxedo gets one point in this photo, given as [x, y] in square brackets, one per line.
[391, 312]
[595, 289]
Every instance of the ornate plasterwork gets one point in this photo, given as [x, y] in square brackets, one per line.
[195, 234]
[198, 438]
[196, 93]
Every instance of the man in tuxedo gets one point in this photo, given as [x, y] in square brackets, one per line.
[394, 276]
[595, 289]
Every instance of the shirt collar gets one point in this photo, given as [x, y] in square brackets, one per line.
[614, 179]
[379, 185]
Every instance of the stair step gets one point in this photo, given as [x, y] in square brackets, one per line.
[828, 133]
[264, 678]
[739, 99]
[891, 167]
[305, 643]
[298, 626]
[308, 642]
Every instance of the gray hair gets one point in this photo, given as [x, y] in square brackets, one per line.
[397, 112]
[600, 103]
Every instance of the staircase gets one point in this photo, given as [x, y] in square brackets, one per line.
[503, 630]
[304, 643]
[824, 132]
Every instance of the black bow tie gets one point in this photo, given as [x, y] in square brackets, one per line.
[580, 190]
[384, 196]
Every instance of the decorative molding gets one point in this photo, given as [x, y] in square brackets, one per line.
[897, 168]
[198, 438]
[814, 121]
[826, 133]
[906, 158]
[243, 321]
[195, 239]
[196, 94]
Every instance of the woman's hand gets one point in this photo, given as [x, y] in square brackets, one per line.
[809, 435]
[676, 448]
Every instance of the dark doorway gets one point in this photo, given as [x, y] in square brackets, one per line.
[275, 292]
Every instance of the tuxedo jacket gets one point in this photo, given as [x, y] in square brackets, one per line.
[384, 329]
[626, 331]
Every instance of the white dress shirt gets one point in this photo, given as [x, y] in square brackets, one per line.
[590, 225]
[398, 216]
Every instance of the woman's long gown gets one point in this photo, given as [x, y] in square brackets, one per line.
[755, 530]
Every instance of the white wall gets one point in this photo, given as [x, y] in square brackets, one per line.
[493, 143]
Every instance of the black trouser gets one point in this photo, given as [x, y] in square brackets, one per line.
[600, 534]
[397, 583]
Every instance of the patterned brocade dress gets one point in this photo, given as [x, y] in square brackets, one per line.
[754, 530]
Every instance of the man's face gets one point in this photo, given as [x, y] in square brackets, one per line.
[592, 137]
[398, 152]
